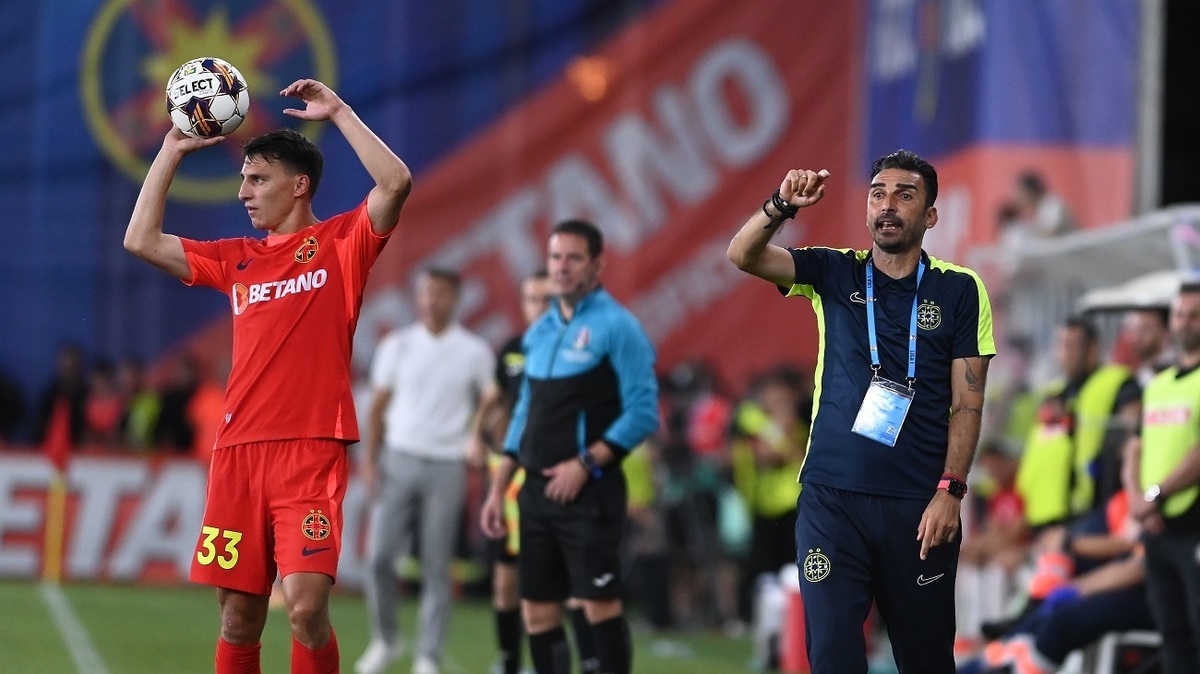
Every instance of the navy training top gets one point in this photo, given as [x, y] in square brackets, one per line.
[954, 321]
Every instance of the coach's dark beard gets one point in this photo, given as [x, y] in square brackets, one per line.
[901, 244]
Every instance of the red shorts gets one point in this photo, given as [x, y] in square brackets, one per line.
[273, 507]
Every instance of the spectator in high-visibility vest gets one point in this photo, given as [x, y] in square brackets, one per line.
[1165, 466]
[1071, 460]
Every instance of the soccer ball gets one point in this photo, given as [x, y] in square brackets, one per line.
[207, 97]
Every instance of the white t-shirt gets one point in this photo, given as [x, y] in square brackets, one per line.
[436, 382]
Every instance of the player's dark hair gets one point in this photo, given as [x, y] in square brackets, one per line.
[1088, 328]
[590, 233]
[910, 161]
[442, 274]
[1189, 287]
[539, 274]
[291, 149]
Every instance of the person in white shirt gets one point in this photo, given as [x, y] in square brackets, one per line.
[428, 379]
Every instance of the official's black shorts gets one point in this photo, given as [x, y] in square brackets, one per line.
[572, 550]
[498, 552]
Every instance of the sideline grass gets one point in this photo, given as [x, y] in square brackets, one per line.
[160, 630]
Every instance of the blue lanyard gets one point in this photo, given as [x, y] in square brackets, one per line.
[912, 322]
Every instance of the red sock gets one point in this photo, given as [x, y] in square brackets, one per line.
[233, 659]
[323, 660]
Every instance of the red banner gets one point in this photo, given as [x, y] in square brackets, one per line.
[667, 138]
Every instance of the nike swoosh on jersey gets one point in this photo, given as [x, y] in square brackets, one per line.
[857, 298]
[306, 551]
[242, 264]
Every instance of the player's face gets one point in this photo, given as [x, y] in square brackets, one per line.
[896, 213]
[1185, 322]
[573, 271]
[436, 299]
[269, 191]
[535, 298]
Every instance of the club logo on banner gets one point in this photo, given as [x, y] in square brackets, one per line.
[132, 49]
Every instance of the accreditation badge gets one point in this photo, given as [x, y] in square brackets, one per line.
[883, 411]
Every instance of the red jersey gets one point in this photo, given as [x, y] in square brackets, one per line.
[295, 301]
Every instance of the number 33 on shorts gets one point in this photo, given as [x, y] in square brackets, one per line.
[228, 556]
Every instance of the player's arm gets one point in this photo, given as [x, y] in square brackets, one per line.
[751, 249]
[393, 180]
[144, 237]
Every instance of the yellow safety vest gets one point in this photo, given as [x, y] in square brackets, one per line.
[768, 492]
[1170, 429]
[1053, 452]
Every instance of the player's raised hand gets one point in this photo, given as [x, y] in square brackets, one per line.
[802, 188]
[320, 102]
[181, 142]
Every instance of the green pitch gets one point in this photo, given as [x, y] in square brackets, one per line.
[157, 630]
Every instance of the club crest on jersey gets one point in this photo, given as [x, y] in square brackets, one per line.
[582, 338]
[816, 566]
[307, 250]
[929, 315]
[316, 526]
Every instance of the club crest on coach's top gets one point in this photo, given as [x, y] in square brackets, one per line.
[207, 97]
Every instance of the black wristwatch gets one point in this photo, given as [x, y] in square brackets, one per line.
[956, 487]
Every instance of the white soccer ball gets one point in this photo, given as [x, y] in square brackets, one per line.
[207, 97]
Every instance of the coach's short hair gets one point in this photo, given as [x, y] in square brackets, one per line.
[910, 161]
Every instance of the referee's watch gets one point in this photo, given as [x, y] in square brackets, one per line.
[956, 487]
[590, 465]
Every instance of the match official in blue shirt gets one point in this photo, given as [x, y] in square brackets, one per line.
[905, 341]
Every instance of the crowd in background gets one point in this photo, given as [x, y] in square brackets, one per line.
[712, 495]
[118, 406]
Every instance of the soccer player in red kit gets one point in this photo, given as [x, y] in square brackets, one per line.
[278, 470]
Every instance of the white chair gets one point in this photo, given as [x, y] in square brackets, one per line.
[1101, 657]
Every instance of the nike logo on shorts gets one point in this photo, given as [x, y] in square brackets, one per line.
[922, 580]
[242, 264]
[601, 581]
[306, 551]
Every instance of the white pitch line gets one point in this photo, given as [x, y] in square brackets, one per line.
[87, 660]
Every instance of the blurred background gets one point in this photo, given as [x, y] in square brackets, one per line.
[1061, 129]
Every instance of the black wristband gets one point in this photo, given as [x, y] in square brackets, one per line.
[786, 210]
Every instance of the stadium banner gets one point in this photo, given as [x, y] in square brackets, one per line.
[668, 137]
[991, 90]
[127, 519]
[666, 121]
[668, 130]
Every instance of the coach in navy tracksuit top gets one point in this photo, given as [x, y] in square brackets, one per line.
[589, 397]
[904, 348]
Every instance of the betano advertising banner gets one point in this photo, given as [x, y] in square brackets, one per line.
[126, 520]
[668, 137]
